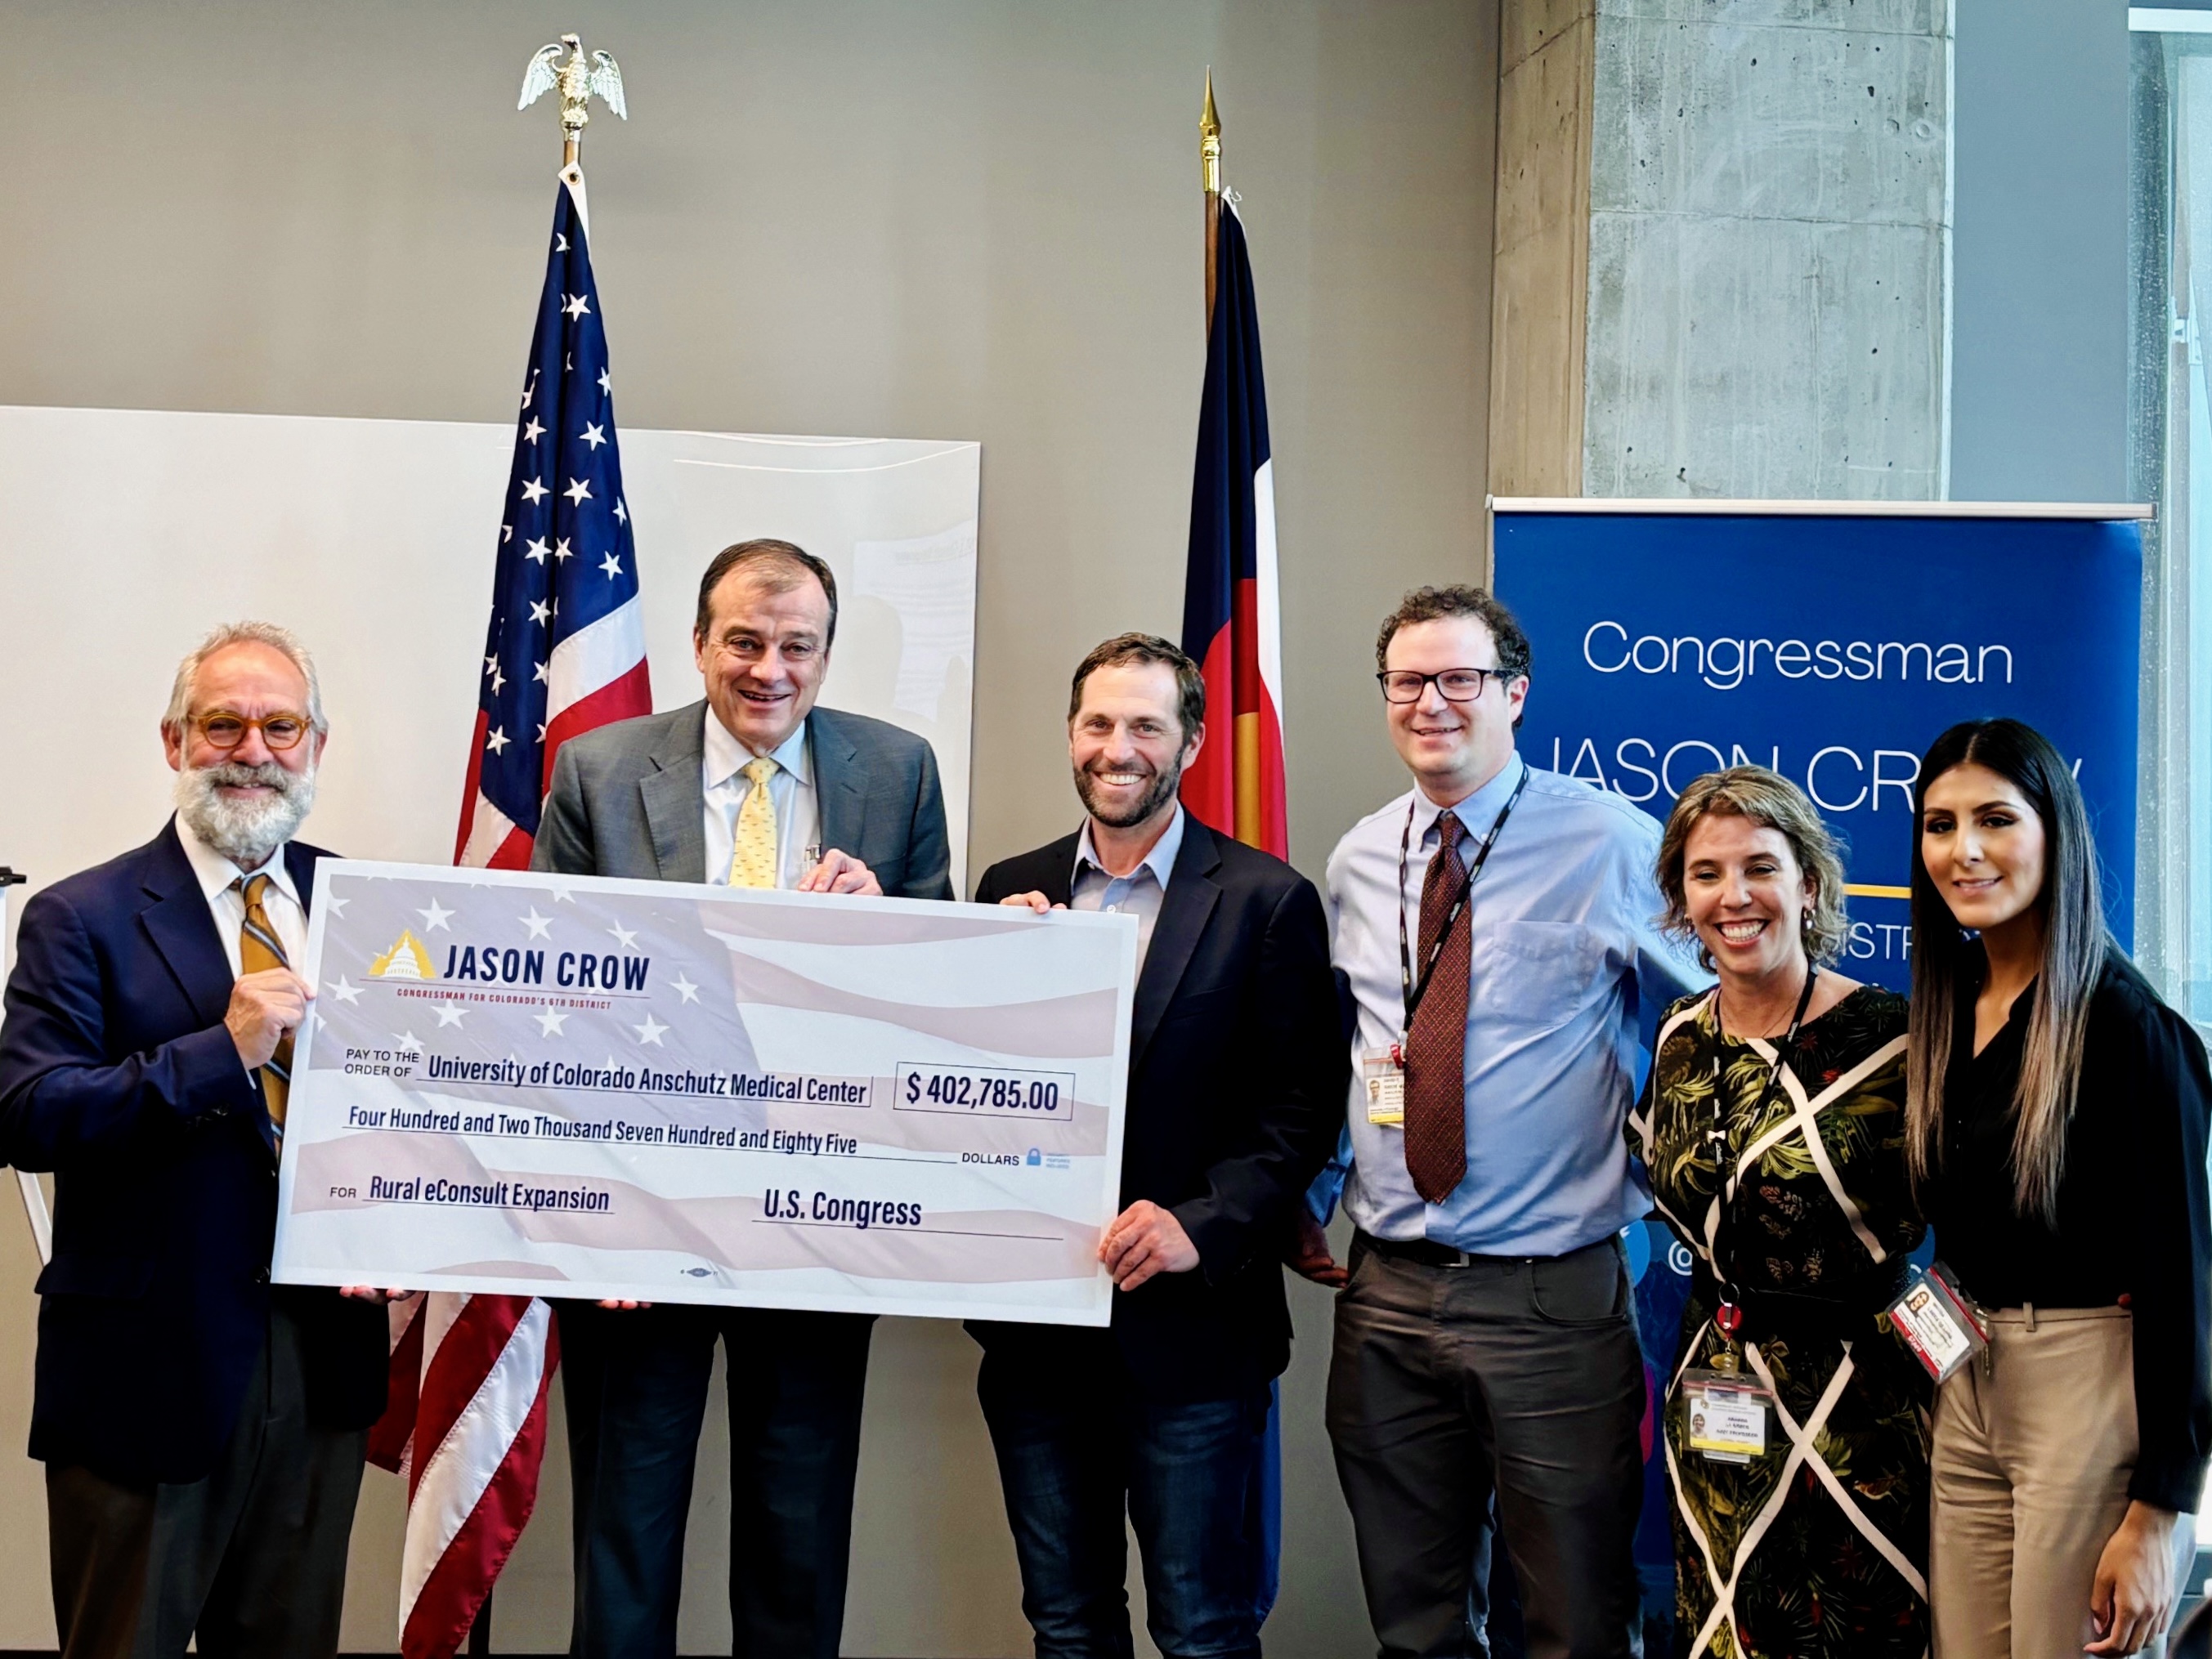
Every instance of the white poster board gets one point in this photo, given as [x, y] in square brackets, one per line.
[126, 535]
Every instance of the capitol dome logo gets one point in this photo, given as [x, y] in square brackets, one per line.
[406, 959]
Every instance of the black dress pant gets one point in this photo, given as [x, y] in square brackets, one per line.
[636, 1398]
[1510, 1378]
[251, 1558]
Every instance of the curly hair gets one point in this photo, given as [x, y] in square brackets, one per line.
[1769, 800]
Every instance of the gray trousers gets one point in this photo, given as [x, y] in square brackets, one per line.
[1511, 1376]
[252, 1558]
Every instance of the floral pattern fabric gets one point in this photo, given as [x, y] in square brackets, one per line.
[1793, 1568]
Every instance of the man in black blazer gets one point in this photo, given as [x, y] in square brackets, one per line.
[203, 1431]
[1237, 1084]
[753, 787]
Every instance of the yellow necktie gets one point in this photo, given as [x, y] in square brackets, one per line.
[752, 848]
[260, 950]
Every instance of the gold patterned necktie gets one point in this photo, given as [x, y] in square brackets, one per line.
[258, 950]
[752, 848]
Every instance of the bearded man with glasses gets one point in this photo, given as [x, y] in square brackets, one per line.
[203, 1430]
[1498, 926]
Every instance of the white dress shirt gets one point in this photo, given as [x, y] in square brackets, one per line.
[280, 901]
[1139, 894]
[798, 806]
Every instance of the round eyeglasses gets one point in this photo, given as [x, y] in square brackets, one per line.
[222, 729]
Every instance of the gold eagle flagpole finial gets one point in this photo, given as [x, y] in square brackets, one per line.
[578, 82]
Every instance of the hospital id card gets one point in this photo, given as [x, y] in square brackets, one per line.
[1383, 1072]
[1937, 1321]
[1727, 1413]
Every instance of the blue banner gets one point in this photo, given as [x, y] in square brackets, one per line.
[1833, 649]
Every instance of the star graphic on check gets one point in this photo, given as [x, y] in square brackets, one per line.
[549, 1022]
[650, 1031]
[337, 905]
[537, 924]
[436, 917]
[626, 938]
[345, 992]
[561, 894]
[686, 989]
[449, 1013]
[407, 1043]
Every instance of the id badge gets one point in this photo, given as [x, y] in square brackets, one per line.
[1383, 1071]
[1727, 1414]
[1937, 1321]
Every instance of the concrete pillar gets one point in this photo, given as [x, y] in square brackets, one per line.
[1723, 248]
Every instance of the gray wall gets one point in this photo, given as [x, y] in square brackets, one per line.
[1768, 248]
[2039, 296]
[969, 220]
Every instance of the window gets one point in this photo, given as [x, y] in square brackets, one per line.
[2169, 464]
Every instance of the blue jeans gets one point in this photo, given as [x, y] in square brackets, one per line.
[1075, 1452]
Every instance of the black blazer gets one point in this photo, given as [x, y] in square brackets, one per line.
[117, 1074]
[1237, 1091]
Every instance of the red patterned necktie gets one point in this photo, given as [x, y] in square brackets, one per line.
[1436, 1046]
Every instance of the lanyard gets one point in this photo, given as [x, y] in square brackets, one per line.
[1729, 1317]
[1411, 989]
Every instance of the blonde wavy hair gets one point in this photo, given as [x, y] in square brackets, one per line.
[1770, 800]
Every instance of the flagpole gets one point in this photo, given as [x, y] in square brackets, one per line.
[1209, 162]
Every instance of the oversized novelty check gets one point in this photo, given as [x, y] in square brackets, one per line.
[560, 1086]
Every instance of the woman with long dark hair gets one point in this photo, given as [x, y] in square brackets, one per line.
[2056, 1116]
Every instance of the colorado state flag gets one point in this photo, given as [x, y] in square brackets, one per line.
[1232, 605]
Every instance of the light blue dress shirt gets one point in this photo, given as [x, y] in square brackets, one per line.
[1139, 894]
[1567, 953]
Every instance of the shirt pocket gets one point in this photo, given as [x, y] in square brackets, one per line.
[1538, 974]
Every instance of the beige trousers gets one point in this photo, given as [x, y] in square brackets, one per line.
[2034, 1443]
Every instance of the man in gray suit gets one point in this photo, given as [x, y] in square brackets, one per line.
[752, 786]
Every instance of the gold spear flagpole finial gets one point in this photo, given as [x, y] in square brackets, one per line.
[578, 82]
[1209, 163]
[1209, 139]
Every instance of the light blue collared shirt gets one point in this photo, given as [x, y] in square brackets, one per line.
[1139, 894]
[1566, 953]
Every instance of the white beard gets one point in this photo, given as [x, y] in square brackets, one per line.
[246, 832]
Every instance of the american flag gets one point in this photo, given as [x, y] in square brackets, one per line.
[566, 652]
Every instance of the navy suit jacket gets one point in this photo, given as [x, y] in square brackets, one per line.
[1237, 1080]
[117, 1074]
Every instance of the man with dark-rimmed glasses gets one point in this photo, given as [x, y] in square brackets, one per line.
[1496, 924]
[203, 1430]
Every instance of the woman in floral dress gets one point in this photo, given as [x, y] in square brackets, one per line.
[1772, 1126]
